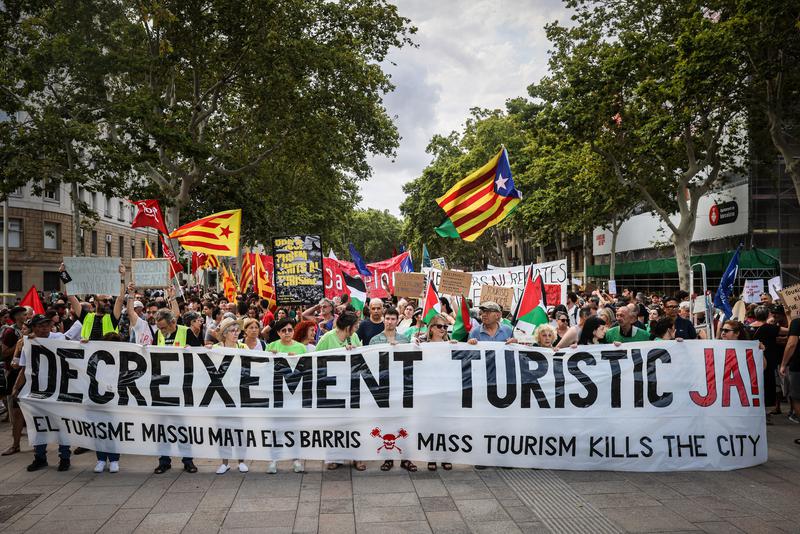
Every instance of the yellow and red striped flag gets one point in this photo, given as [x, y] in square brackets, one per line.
[263, 282]
[148, 252]
[479, 201]
[211, 262]
[247, 271]
[216, 234]
[229, 284]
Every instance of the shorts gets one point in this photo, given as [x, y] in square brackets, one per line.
[794, 385]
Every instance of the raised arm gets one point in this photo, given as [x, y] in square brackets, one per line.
[132, 316]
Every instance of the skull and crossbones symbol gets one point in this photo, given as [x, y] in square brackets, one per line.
[389, 440]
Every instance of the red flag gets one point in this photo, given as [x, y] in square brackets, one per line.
[177, 267]
[148, 214]
[32, 299]
[198, 261]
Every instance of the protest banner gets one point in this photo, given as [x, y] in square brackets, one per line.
[93, 276]
[455, 283]
[553, 273]
[791, 301]
[150, 273]
[504, 296]
[410, 285]
[751, 293]
[298, 275]
[656, 406]
[379, 284]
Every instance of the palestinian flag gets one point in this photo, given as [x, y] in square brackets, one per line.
[463, 322]
[532, 307]
[431, 305]
[356, 289]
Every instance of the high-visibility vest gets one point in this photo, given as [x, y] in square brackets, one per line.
[88, 322]
[180, 337]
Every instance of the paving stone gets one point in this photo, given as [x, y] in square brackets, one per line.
[163, 523]
[340, 489]
[521, 513]
[718, 527]
[219, 498]
[446, 522]
[533, 527]
[690, 509]
[382, 499]
[337, 524]
[75, 526]
[386, 514]
[430, 487]
[259, 519]
[468, 489]
[100, 495]
[124, 521]
[306, 524]
[481, 510]
[67, 512]
[613, 500]
[606, 486]
[308, 509]
[178, 502]
[395, 484]
[438, 504]
[754, 525]
[336, 506]
[267, 503]
[206, 521]
[404, 527]
[493, 527]
[647, 519]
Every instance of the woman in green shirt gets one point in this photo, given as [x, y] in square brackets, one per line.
[286, 343]
[229, 334]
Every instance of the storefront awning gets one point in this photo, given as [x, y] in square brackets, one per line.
[764, 258]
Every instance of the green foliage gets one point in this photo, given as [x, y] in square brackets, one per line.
[376, 235]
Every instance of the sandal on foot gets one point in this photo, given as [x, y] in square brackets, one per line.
[9, 451]
[409, 466]
[447, 466]
[431, 466]
[359, 466]
[331, 467]
[388, 464]
[162, 468]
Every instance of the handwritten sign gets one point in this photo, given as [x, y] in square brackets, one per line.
[455, 283]
[150, 272]
[504, 296]
[93, 276]
[411, 285]
[791, 301]
[752, 290]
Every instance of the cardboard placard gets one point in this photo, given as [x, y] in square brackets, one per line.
[504, 296]
[791, 301]
[150, 272]
[93, 276]
[411, 285]
[455, 283]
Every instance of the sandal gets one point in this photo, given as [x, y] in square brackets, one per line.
[190, 468]
[332, 467]
[11, 450]
[447, 466]
[388, 464]
[409, 466]
[162, 468]
[359, 466]
[431, 466]
[797, 442]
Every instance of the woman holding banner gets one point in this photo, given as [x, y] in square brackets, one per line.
[437, 333]
[229, 334]
[593, 332]
[251, 339]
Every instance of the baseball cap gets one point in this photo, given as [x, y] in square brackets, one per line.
[137, 304]
[39, 319]
[491, 306]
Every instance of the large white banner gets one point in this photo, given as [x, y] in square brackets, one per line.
[693, 405]
[553, 273]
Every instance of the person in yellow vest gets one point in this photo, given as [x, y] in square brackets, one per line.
[229, 338]
[171, 333]
[104, 319]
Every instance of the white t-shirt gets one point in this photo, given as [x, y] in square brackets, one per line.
[143, 335]
[74, 332]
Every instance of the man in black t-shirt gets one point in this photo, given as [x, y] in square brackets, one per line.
[684, 328]
[374, 325]
[791, 364]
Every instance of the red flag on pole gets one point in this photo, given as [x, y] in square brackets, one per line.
[148, 214]
[177, 267]
[32, 299]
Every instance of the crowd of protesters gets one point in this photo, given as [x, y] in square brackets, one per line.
[200, 318]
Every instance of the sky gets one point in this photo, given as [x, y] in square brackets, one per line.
[471, 53]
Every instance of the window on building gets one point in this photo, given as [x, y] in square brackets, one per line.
[94, 201]
[14, 280]
[121, 247]
[83, 243]
[51, 281]
[133, 248]
[108, 206]
[14, 233]
[17, 193]
[52, 235]
[94, 242]
[120, 211]
[108, 245]
[52, 193]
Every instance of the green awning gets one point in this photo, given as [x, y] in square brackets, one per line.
[764, 258]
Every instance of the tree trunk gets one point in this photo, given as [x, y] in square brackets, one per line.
[501, 247]
[559, 248]
[541, 253]
[682, 242]
[612, 262]
[587, 254]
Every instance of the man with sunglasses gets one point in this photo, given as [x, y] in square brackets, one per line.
[684, 328]
[491, 328]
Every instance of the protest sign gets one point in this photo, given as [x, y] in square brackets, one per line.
[656, 406]
[410, 285]
[791, 301]
[298, 272]
[150, 273]
[439, 263]
[455, 283]
[612, 287]
[504, 296]
[93, 276]
[751, 293]
[775, 285]
[379, 284]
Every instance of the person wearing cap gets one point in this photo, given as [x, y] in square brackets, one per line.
[103, 319]
[491, 329]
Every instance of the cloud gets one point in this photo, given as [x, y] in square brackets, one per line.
[470, 54]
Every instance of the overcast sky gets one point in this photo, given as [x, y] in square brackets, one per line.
[472, 53]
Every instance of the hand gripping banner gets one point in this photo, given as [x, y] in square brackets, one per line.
[661, 406]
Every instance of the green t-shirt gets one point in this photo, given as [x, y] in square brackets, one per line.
[295, 348]
[331, 341]
[637, 334]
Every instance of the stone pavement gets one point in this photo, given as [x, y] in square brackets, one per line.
[759, 500]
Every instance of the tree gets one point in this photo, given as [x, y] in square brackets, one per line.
[644, 84]
[376, 234]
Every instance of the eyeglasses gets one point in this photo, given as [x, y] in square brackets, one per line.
[443, 326]
[286, 331]
[726, 330]
[563, 320]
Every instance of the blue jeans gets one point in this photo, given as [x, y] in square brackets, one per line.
[40, 451]
[166, 460]
[107, 456]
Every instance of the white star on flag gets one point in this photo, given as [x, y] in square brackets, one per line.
[501, 182]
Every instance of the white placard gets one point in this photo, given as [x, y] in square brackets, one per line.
[93, 276]
[752, 290]
[775, 285]
[612, 287]
[150, 273]
[695, 406]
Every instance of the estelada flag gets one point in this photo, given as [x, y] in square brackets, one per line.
[479, 201]
[32, 299]
[175, 266]
[148, 252]
[148, 214]
[246, 275]
[216, 234]
[211, 262]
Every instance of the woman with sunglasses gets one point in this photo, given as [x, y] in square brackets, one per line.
[732, 330]
[562, 326]
[286, 343]
[229, 335]
[437, 332]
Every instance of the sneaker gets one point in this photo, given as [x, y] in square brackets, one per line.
[480, 467]
[113, 467]
[38, 463]
[243, 467]
[794, 418]
[223, 468]
[63, 464]
[272, 467]
[100, 466]
[298, 467]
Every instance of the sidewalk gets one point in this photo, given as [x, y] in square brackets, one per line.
[762, 499]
